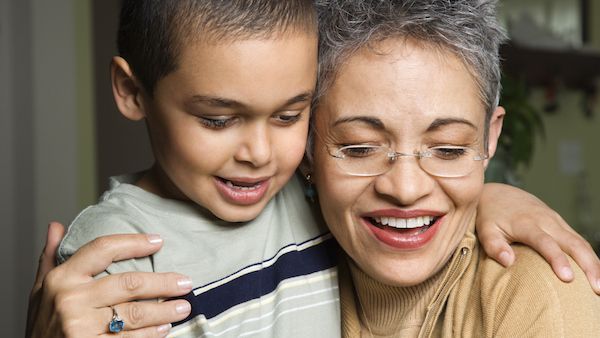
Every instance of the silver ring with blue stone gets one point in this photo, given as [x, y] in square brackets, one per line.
[116, 324]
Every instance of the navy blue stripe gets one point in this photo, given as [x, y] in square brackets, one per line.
[262, 282]
[266, 260]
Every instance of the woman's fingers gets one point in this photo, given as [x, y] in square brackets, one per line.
[127, 286]
[148, 332]
[47, 262]
[139, 315]
[94, 257]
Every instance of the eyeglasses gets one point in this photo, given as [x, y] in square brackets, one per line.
[374, 160]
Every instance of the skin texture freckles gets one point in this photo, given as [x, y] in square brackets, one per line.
[413, 91]
[229, 125]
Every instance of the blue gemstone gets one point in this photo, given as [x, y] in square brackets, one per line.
[116, 326]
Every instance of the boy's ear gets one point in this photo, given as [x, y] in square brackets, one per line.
[127, 90]
[494, 132]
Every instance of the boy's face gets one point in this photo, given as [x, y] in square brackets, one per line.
[229, 126]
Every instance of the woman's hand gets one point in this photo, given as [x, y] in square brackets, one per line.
[66, 301]
[507, 214]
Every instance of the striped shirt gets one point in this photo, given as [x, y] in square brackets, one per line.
[274, 276]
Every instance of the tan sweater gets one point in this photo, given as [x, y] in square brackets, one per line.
[473, 296]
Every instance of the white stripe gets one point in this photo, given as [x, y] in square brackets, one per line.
[265, 264]
[243, 308]
[264, 328]
[336, 300]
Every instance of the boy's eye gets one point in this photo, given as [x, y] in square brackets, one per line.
[216, 122]
[287, 119]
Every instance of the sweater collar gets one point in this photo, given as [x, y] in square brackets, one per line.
[400, 311]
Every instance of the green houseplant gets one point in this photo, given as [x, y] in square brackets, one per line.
[523, 122]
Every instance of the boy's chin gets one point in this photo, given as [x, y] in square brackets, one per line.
[239, 214]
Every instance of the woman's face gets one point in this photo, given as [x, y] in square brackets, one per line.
[406, 96]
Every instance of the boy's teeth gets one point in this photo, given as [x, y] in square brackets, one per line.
[239, 187]
[404, 223]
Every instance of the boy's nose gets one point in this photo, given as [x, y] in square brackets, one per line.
[256, 148]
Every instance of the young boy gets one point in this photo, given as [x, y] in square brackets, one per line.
[225, 89]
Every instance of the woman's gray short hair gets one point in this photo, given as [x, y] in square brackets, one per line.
[467, 28]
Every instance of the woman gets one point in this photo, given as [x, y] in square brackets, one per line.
[71, 299]
[406, 126]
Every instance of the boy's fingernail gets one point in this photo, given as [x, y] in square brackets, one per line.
[164, 328]
[154, 238]
[566, 272]
[184, 307]
[184, 283]
[598, 284]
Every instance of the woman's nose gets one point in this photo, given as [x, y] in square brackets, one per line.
[406, 182]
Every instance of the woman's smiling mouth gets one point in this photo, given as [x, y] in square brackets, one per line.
[404, 233]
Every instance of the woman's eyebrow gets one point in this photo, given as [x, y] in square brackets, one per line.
[371, 121]
[438, 123]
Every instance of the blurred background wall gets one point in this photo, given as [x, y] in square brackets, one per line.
[61, 136]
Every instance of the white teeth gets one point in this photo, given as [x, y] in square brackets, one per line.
[231, 185]
[404, 223]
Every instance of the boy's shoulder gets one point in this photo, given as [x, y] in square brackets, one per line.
[118, 211]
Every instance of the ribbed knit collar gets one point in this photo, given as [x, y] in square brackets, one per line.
[392, 311]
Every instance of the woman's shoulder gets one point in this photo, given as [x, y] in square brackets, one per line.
[529, 295]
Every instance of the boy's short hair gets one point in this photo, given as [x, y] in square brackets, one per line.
[152, 32]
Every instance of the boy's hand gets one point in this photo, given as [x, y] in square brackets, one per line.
[66, 301]
[507, 214]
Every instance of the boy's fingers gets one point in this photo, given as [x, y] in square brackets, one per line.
[496, 245]
[499, 250]
[578, 249]
[97, 255]
[128, 286]
[547, 247]
[583, 254]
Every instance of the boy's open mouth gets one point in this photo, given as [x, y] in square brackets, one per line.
[241, 185]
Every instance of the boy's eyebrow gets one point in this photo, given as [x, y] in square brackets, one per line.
[229, 103]
[303, 97]
[216, 101]
[372, 121]
[438, 123]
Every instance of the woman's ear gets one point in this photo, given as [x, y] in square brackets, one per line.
[494, 131]
[127, 91]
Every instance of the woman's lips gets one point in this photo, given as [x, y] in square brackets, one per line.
[403, 233]
[242, 191]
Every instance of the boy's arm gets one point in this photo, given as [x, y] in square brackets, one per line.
[507, 215]
[66, 301]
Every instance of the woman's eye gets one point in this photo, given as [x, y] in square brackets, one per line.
[449, 152]
[216, 123]
[287, 119]
[358, 151]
